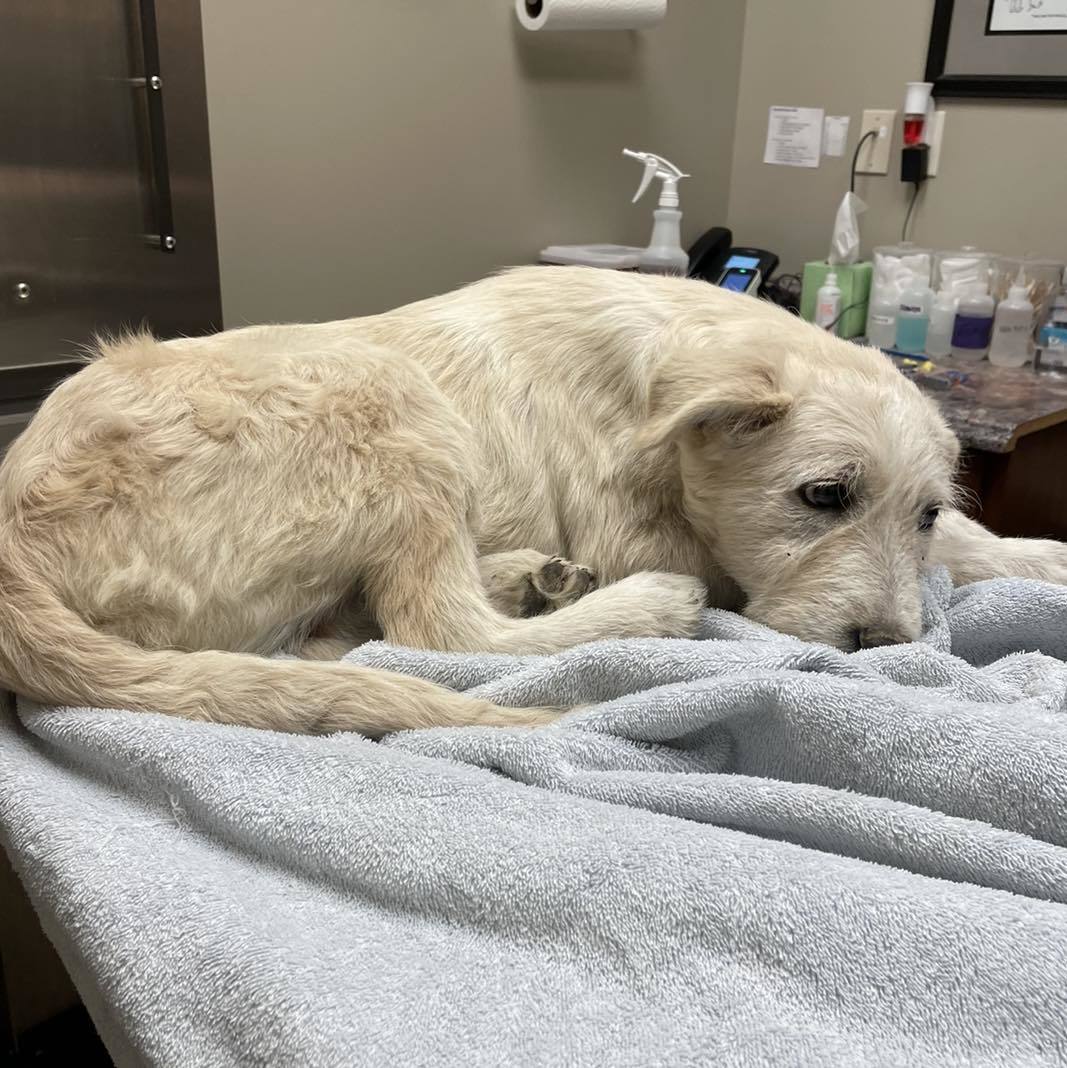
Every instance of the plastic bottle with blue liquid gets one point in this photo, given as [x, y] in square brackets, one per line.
[913, 320]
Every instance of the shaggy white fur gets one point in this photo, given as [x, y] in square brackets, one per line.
[177, 504]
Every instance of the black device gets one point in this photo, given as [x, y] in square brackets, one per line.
[914, 160]
[743, 270]
[741, 275]
[708, 252]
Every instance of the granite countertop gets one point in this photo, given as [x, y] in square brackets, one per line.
[989, 407]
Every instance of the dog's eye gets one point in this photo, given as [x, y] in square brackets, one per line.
[833, 495]
[928, 519]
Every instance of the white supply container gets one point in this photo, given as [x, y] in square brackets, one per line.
[1013, 328]
[942, 320]
[1041, 276]
[828, 303]
[882, 321]
[897, 268]
[612, 257]
[959, 270]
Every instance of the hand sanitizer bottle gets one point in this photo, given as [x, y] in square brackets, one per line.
[1013, 328]
[664, 254]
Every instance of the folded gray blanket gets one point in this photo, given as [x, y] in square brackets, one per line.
[743, 850]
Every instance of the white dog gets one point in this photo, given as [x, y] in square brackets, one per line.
[177, 504]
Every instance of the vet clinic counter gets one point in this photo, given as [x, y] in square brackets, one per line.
[1012, 423]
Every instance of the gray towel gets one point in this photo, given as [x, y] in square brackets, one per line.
[744, 850]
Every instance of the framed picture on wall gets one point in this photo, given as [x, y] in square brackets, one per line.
[999, 48]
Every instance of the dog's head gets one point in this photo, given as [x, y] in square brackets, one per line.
[812, 468]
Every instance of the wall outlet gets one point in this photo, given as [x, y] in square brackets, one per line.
[874, 156]
[935, 129]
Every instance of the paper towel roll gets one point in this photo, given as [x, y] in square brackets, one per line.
[590, 14]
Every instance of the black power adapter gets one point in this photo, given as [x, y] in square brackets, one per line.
[913, 163]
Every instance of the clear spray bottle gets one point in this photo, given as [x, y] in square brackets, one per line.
[664, 254]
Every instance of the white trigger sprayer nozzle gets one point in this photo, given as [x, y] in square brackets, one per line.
[664, 170]
[664, 254]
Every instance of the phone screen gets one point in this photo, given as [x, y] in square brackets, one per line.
[751, 262]
[738, 279]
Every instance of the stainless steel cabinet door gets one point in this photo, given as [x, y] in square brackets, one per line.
[81, 201]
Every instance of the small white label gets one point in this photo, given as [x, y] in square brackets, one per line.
[834, 135]
[825, 313]
[882, 320]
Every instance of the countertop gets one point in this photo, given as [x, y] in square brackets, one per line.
[989, 407]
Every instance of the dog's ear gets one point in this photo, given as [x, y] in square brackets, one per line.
[735, 397]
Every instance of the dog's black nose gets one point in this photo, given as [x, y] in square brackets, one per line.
[873, 637]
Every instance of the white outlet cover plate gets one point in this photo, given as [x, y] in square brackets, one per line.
[874, 156]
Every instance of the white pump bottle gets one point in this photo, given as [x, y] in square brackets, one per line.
[664, 254]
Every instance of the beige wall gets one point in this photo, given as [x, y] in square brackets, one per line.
[1003, 167]
[366, 154]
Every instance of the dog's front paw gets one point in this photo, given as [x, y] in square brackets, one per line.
[664, 605]
[558, 583]
[526, 583]
[554, 585]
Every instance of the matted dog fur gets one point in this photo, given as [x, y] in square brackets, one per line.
[429, 475]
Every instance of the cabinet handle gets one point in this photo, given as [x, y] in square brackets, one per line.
[157, 128]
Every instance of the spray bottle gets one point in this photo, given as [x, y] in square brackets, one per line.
[664, 254]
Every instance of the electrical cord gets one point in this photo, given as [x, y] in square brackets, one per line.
[856, 158]
[911, 208]
[784, 290]
[842, 313]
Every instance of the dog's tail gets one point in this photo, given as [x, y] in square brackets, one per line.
[50, 654]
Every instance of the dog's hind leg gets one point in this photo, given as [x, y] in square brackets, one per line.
[351, 625]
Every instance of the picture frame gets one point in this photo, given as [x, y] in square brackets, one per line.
[999, 49]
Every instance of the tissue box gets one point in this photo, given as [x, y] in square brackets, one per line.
[854, 281]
